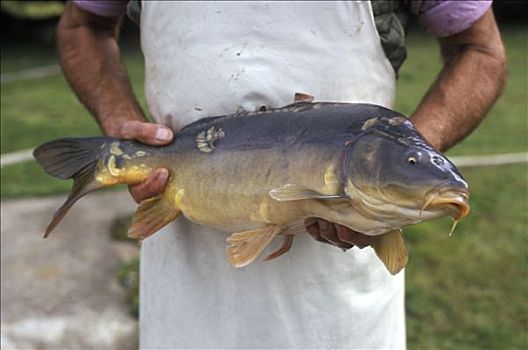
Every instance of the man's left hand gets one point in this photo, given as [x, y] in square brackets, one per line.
[335, 234]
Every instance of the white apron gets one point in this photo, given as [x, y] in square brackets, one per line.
[215, 58]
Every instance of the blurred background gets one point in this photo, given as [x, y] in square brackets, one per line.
[79, 288]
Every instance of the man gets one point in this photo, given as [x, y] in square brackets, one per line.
[216, 58]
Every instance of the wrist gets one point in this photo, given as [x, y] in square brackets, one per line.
[431, 129]
[112, 126]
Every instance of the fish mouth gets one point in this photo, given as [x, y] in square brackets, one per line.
[457, 206]
[455, 203]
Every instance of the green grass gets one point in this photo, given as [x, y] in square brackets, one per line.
[39, 110]
[469, 291]
[18, 55]
[506, 127]
[128, 276]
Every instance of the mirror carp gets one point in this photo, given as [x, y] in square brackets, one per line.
[261, 174]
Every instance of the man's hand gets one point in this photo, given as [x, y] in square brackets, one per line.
[92, 65]
[152, 134]
[335, 234]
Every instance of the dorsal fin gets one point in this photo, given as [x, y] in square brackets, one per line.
[302, 106]
[303, 97]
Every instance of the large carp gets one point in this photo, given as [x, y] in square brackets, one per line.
[262, 174]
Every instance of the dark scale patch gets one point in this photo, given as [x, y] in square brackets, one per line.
[438, 160]
[294, 107]
[119, 162]
[402, 132]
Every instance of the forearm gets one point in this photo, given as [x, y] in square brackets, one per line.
[90, 59]
[472, 79]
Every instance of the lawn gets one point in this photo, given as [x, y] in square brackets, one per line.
[469, 291]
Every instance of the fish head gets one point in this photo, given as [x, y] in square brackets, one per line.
[393, 174]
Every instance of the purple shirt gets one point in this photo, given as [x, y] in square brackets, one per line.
[441, 18]
[105, 8]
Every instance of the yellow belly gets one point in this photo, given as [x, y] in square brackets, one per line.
[236, 197]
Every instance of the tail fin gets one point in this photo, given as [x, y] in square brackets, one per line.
[71, 158]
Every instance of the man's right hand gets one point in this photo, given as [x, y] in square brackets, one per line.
[151, 134]
[91, 62]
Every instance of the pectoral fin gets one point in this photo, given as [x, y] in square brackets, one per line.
[391, 250]
[284, 248]
[244, 247]
[291, 192]
[151, 215]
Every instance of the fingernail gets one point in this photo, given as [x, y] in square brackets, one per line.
[163, 175]
[163, 134]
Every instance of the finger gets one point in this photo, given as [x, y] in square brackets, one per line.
[312, 227]
[152, 186]
[149, 133]
[347, 235]
[328, 232]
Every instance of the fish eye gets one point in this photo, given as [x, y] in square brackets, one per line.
[412, 157]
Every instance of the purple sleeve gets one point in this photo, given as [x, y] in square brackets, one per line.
[443, 18]
[108, 8]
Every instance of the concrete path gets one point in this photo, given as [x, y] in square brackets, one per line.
[16, 157]
[62, 292]
[31, 73]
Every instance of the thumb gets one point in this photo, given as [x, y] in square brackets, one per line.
[149, 133]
